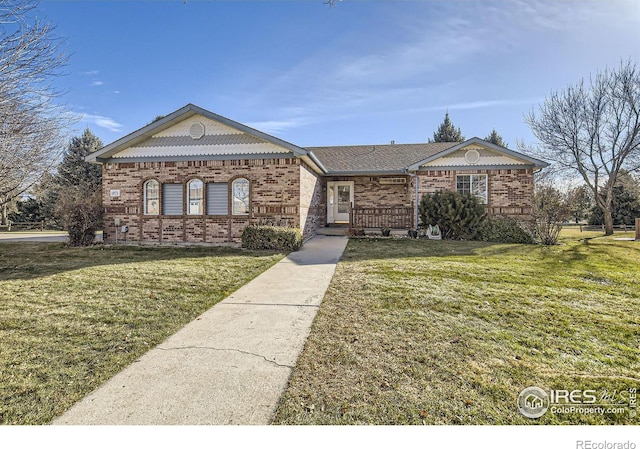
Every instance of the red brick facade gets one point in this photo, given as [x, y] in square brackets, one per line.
[281, 191]
[510, 191]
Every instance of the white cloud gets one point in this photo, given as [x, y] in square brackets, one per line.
[484, 104]
[97, 83]
[276, 126]
[90, 72]
[102, 122]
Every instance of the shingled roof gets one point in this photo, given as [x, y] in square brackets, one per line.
[394, 158]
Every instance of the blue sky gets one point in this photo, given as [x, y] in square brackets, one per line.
[363, 72]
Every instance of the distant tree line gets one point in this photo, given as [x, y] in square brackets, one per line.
[68, 198]
[447, 132]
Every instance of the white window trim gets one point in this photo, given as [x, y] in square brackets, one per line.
[483, 199]
[144, 194]
[201, 197]
[233, 196]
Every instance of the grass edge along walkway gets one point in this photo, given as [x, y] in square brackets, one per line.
[429, 332]
[72, 318]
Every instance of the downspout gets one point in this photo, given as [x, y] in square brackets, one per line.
[415, 197]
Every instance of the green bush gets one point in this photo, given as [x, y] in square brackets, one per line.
[457, 215]
[81, 214]
[272, 237]
[504, 230]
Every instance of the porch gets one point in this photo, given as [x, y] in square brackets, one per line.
[372, 220]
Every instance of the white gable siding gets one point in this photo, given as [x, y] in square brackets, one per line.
[200, 150]
[487, 157]
[176, 142]
[210, 127]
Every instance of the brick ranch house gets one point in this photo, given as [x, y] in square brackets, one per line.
[195, 176]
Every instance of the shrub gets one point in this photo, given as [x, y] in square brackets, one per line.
[504, 230]
[457, 215]
[549, 211]
[272, 237]
[81, 214]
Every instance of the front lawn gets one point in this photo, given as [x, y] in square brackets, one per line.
[72, 318]
[446, 332]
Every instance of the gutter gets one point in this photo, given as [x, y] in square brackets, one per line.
[317, 161]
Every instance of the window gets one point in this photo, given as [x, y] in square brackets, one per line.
[194, 197]
[217, 198]
[151, 192]
[240, 192]
[172, 199]
[475, 185]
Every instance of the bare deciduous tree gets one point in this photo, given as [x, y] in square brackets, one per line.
[33, 124]
[593, 129]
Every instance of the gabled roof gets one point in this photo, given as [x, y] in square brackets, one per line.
[381, 159]
[528, 160]
[148, 131]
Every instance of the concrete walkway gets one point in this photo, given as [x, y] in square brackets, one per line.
[17, 236]
[232, 364]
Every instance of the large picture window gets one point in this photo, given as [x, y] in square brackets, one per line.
[475, 185]
[194, 197]
[151, 197]
[240, 192]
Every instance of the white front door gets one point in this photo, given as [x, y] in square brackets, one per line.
[339, 200]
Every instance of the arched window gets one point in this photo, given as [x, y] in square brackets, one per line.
[194, 197]
[151, 197]
[240, 192]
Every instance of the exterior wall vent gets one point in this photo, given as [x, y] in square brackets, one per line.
[196, 131]
[472, 156]
[395, 181]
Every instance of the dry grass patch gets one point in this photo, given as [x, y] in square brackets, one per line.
[443, 332]
[72, 318]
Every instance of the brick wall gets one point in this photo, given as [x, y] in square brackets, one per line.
[274, 198]
[311, 211]
[510, 190]
[368, 192]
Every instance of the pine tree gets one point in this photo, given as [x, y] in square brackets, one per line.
[496, 139]
[73, 170]
[76, 189]
[625, 202]
[447, 132]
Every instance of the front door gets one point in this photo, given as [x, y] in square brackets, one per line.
[339, 200]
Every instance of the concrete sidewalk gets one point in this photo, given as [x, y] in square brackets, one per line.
[16, 236]
[232, 364]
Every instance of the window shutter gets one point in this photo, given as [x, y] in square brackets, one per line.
[217, 198]
[172, 199]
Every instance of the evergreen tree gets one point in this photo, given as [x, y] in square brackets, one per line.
[447, 132]
[625, 203]
[75, 191]
[73, 170]
[496, 139]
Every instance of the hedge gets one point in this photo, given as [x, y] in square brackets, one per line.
[503, 230]
[271, 237]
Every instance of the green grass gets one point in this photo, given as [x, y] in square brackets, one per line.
[72, 318]
[445, 332]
